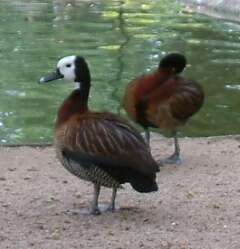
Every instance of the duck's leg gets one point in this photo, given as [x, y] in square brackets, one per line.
[112, 206]
[94, 206]
[93, 209]
[106, 207]
[175, 157]
[147, 135]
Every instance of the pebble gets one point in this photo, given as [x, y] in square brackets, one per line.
[12, 169]
[5, 205]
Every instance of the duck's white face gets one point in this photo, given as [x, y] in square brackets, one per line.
[66, 67]
[69, 68]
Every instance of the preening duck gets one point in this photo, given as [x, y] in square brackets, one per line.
[163, 99]
[99, 147]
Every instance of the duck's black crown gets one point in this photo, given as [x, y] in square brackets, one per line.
[175, 61]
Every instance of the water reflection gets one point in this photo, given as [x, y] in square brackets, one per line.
[120, 39]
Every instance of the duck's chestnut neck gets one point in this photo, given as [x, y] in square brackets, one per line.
[76, 103]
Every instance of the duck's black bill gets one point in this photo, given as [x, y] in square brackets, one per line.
[53, 76]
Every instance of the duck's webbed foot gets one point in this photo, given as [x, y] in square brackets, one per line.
[173, 159]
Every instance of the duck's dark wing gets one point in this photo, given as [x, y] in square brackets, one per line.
[176, 99]
[187, 100]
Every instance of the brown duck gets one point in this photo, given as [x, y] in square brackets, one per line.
[163, 99]
[98, 147]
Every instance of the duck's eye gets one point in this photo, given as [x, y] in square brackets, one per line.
[68, 65]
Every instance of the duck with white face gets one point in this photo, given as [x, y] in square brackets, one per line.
[65, 70]
[99, 147]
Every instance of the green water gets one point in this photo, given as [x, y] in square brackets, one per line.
[120, 39]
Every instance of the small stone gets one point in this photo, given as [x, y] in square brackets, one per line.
[2, 178]
[216, 206]
[167, 245]
[11, 169]
[40, 226]
[52, 199]
[55, 235]
[189, 195]
[64, 181]
[2, 238]
[32, 169]
[19, 214]
[53, 177]
[141, 244]
[5, 205]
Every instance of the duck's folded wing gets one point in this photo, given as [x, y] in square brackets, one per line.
[107, 141]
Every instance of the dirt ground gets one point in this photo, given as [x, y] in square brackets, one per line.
[197, 206]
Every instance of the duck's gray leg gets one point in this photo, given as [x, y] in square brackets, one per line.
[175, 157]
[93, 209]
[112, 206]
[147, 135]
[94, 206]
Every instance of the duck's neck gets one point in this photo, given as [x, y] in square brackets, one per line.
[82, 91]
[76, 103]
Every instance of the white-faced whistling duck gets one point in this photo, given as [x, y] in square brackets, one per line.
[99, 147]
[163, 99]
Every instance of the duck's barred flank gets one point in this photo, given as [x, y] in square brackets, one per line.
[92, 174]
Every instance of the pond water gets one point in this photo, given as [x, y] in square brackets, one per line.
[120, 39]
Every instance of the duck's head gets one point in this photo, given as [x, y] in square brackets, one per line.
[71, 68]
[175, 62]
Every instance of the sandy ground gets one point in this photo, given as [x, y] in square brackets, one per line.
[197, 206]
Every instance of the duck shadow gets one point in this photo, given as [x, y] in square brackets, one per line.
[125, 214]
